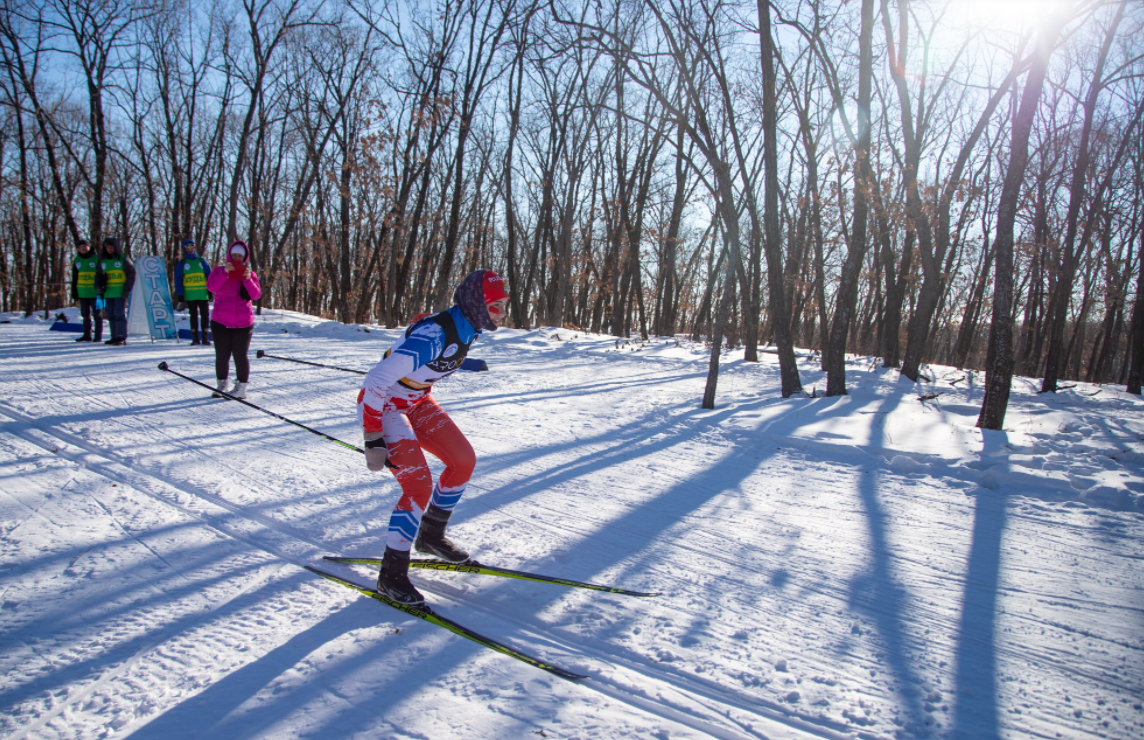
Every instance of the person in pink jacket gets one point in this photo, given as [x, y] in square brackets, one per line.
[234, 286]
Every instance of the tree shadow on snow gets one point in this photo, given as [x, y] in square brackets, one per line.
[975, 715]
[306, 688]
[879, 596]
[877, 593]
[218, 710]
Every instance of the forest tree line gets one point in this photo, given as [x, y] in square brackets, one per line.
[896, 178]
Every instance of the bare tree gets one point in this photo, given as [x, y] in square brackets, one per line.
[999, 364]
[1058, 306]
[487, 24]
[269, 22]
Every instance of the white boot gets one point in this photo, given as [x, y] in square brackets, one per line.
[239, 390]
[220, 388]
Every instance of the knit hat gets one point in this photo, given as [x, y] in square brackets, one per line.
[188, 243]
[238, 247]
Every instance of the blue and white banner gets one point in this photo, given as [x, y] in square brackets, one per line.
[150, 310]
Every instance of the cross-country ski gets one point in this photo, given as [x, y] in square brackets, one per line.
[473, 567]
[433, 617]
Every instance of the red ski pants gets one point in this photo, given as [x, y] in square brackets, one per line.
[408, 434]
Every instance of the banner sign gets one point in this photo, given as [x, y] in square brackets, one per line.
[150, 310]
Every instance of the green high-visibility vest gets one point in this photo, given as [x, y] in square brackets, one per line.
[194, 280]
[85, 276]
[116, 276]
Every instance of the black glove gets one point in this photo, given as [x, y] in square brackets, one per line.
[181, 306]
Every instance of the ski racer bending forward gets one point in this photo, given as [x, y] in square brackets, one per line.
[401, 420]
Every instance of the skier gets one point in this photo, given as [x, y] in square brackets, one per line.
[85, 267]
[400, 419]
[115, 279]
[234, 286]
[191, 290]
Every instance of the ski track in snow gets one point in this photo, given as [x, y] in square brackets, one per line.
[107, 466]
[112, 469]
[862, 567]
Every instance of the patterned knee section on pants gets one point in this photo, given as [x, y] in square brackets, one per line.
[416, 491]
[446, 498]
[403, 527]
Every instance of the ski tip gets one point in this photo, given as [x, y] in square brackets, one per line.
[260, 354]
[564, 673]
[163, 365]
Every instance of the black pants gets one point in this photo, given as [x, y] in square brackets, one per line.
[89, 311]
[117, 316]
[231, 342]
[200, 313]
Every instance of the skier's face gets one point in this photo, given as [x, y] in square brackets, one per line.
[497, 311]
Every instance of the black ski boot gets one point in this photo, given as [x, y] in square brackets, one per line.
[431, 537]
[393, 580]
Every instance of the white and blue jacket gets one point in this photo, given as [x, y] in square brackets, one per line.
[432, 348]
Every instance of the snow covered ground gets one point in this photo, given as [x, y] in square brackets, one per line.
[871, 566]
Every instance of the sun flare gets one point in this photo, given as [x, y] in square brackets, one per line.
[1004, 16]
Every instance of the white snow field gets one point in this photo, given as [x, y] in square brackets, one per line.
[869, 566]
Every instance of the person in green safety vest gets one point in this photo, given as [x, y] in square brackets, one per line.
[115, 280]
[85, 269]
[191, 290]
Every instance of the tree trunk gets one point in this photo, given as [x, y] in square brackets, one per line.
[1136, 334]
[730, 233]
[999, 365]
[1055, 359]
[847, 295]
[772, 232]
[972, 316]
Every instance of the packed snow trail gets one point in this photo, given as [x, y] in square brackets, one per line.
[867, 566]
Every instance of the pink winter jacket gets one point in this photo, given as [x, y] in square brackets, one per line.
[230, 309]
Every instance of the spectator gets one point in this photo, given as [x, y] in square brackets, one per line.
[85, 269]
[191, 290]
[116, 278]
[234, 286]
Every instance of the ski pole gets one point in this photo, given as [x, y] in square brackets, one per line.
[261, 354]
[470, 364]
[163, 366]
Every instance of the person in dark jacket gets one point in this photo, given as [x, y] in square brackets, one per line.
[116, 278]
[191, 290]
[85, 270]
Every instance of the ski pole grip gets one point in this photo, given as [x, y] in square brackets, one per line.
[259, 354]
[163, 365]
